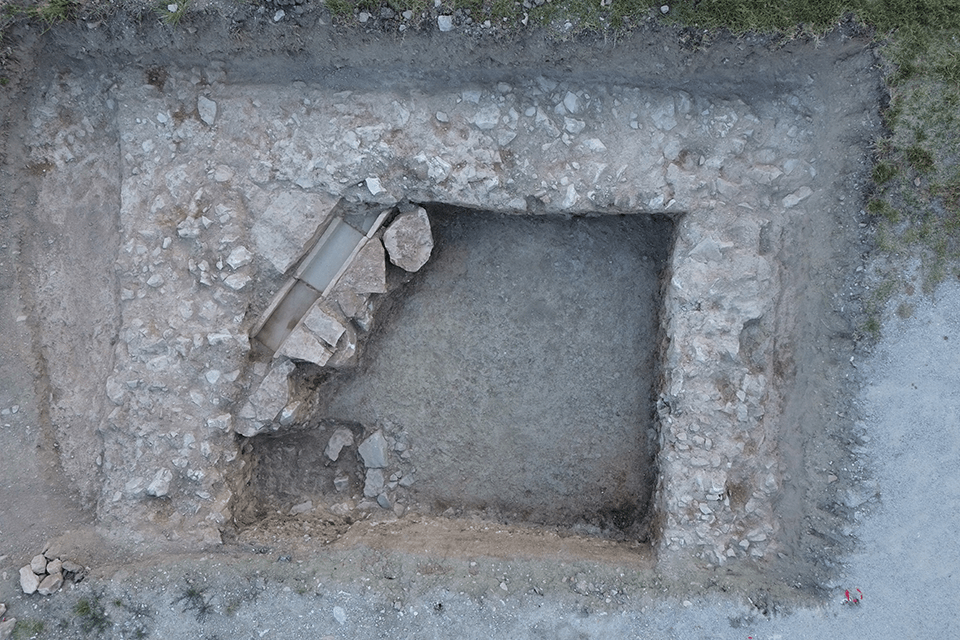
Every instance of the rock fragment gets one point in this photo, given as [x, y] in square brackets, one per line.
[51, 584]
[341, 438]
[368, 271]
[160, 485]
[28, 580]
[445, 23]
[39, 564]
[409, 240]
[207, 110]
[373, 450]
[373, 484]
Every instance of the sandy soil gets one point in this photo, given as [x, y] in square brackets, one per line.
[871, 448]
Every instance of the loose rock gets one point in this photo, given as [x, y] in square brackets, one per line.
[207, 109]
[373, 484]
[160, 485]
[39, 564]
[51, 584]
[341, 438]
[373, 450]
[409, 241]
[445, 23]
[28, 580]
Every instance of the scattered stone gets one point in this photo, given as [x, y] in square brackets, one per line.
[341, 438]
[39, 564]
[664, 9]
[160, 485]
[442, 117]
[6, 628]
[303, 507]
[571, 102]
[407, 15]
[794, 198]
[445, 23]
[409, 240]
[384, 501]
[339, 615]
[69, 566]
[373, 484]
[54, 566]
[278, 16]
[373, 450]
[340, 483]
[406, 480]
[237, 281]
[51, 584]
[28, 580]
[487, 118]
[207, 109]
[239, 257]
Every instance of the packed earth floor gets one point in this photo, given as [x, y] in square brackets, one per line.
[356, 335]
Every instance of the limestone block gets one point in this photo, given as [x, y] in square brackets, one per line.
[273, 394]
[409, 241]
[323, 325]
[284, 222]
[303, 344]
[368, 271]
[373, 450]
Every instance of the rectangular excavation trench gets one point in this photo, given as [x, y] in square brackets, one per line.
[513, 378]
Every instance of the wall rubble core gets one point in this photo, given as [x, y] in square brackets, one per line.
[215, 210]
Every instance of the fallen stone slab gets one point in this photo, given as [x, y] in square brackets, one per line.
[368, 272]
[409, 241]
[304, 344]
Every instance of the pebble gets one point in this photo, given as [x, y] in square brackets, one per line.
[341, 438]
[207, 109]
[339, 615]
[445, 23]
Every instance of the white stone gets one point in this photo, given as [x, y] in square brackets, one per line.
[374, 186]
[237, 281]
[571, 102]
[445, 23]
[303, 344]
[212, 376]
[797, 196]
[278, 16]
[38, 564]
[341, 438]
[160, 485]
[28, 580]
[51, 584]
[487, 118]
[324, 326]
[239, 257]
[339, 615]
[409, 240]
[207, 109]
[367, 273]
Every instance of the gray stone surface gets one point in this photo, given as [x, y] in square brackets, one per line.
[374, 451]
[39, 564]
[29, 580]
[408, 240]
[160, 484]
[373, 483]
[367, 273]
[207, 109]
[341, 438]
[50, 584]
[323, 325]
[284, 221]
[304, 344]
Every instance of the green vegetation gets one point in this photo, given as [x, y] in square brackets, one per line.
[172, 11]
[93, 617]
[27, 628]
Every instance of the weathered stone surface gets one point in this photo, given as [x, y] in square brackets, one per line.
[341, 438]
[160, 485]
[324, 326]
[374, 450]
[285, 221]
[303, 344]
[409, 241]
[445, 23]
[55, 566]
[368, 271]
[51, 584]
[273, 394]
[373, 484]
[6, 628]
[39, 564]
[207, 109]
[29, 580]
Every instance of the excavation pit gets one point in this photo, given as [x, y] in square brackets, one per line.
[171, 209]
[515, 377]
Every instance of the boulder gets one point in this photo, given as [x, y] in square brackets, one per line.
[409, 240]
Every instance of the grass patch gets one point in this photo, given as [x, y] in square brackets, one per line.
[172, 12]
[27, 628]
[92, 615]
